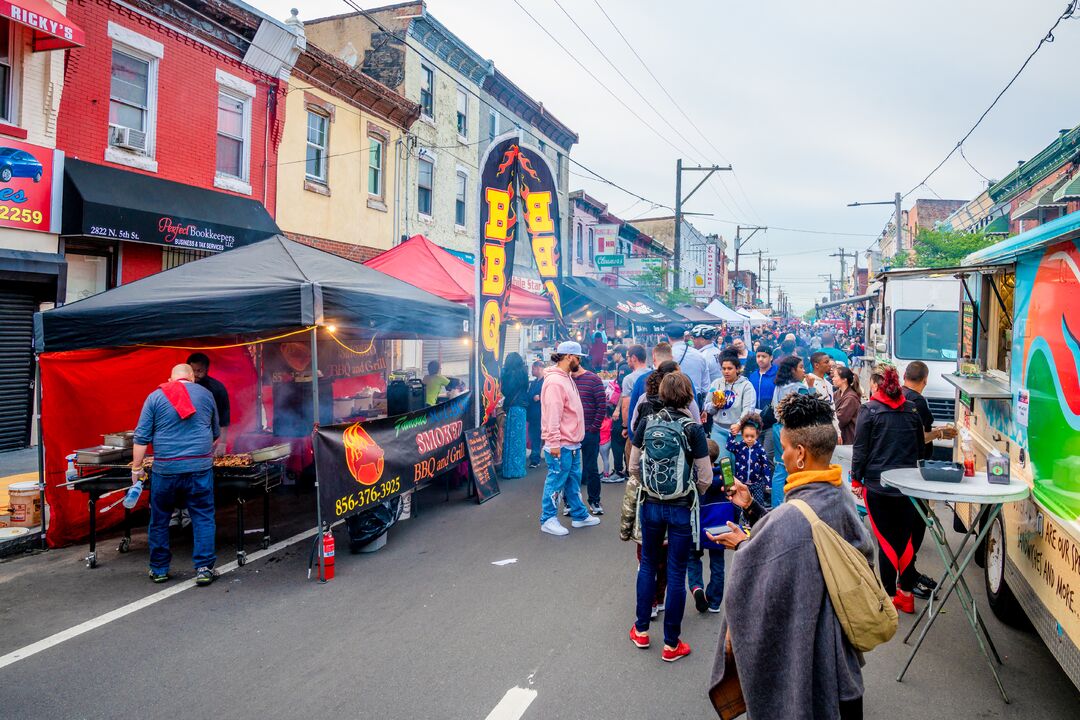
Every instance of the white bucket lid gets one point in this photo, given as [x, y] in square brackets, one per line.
[25, 486]
[11, 532]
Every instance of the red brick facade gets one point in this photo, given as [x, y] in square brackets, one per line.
[357, 253]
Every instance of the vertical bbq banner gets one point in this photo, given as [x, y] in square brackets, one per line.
[498, 230]
[364, 463]
[513, 178]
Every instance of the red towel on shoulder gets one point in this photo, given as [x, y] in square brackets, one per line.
[178, 397]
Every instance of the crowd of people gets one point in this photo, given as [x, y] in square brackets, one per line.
[714, 433]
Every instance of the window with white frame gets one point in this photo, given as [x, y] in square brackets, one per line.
[592, 246]
[580, 250]
[462, 113]
[318, 142]
[375, 166]
[493, 124]
[427, 91]
[424, 183]
[7, 71]
[459, 201]
[558, 167]
[233, 126]
[130, 94]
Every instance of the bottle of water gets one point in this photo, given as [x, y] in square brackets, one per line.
[132, 495]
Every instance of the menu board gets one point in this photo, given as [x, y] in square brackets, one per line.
[478, 444]
[967, 333]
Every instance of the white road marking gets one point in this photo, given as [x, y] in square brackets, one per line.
[513, 705]
[94, 623]
[508, 561]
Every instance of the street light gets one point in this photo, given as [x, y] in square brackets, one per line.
[896, 201]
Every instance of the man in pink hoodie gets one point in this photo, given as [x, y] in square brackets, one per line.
[562, 428]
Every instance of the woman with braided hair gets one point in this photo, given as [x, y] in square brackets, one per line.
[779, 623]
[888, 435]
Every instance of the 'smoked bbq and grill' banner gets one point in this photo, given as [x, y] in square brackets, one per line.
[362, 464]
[515, 182]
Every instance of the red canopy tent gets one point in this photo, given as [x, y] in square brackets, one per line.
[422, 263]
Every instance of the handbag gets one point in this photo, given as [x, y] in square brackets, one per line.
[727, 697]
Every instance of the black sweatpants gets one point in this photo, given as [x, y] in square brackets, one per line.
[618, 444]
[895, 523]
[851, 709]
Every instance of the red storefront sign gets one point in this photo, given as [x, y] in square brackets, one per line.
[27, 174]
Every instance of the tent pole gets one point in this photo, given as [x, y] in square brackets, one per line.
[259, 387]
[40, 445]
[315, 445]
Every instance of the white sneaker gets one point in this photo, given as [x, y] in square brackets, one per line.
[552, 526]
[587, 522]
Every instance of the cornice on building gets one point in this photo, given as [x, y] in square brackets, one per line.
[1062, 150]
[356, 88]
[519, 102]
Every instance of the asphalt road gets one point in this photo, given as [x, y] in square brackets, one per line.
[428, 627]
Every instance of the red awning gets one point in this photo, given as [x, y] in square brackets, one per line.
[52, 31]
[422, 263]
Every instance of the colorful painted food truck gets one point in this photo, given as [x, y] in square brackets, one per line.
[1018, 396]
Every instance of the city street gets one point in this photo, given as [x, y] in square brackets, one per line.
[430, 627]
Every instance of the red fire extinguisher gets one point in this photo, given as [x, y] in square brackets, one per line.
[328, 555]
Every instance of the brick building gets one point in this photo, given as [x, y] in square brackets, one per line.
[171, 124]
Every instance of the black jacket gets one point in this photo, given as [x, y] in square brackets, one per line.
[885, 438]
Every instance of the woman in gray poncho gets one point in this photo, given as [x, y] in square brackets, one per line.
[793, 659]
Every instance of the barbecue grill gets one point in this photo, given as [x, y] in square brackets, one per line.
[242, 480]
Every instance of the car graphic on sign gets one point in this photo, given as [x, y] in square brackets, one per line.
[18, 163]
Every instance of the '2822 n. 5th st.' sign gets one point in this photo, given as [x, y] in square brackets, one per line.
[29, 185]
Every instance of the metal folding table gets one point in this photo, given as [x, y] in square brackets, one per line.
[978, 491]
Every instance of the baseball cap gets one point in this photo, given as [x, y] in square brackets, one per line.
[675, 330]
[569, 347]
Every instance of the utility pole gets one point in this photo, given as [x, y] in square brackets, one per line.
[738, 248]
[680, 201]
[828, 277]
[843, 255]
[898, 211]
[769, 267]
[759, 253]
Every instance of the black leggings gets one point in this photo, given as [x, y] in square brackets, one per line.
[851, 709]
[896, 526]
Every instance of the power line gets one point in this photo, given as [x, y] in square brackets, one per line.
[795, 230]
[964, 157]
[1047, 38]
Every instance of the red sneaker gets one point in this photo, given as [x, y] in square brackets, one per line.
[639, 639]
[904, 603]
[673, 654]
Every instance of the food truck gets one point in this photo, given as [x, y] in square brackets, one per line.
[1018, 398]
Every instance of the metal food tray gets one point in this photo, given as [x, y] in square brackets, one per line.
[124, 439]
[273, 452]
[101, 455]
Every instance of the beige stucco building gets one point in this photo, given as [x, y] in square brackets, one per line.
[338, 167]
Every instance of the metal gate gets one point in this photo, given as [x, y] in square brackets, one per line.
[16, 367]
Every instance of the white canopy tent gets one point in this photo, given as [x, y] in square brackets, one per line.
[723, 312]
[755, 317]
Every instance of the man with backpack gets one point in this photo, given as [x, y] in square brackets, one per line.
[670, 462]
[562, 428]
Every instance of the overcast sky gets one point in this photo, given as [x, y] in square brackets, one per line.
[816, 104]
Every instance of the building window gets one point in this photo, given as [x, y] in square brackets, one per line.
[427, 91]
[459, 202]
[493, 124]
[543, 146]
[558, 168]
[423, 186]
[375, 166]
[592, 247]
[317, 146]
[7, 75]
[130, 98]
[462, 114]
[580, 251]
[175, 257]
[232, 132]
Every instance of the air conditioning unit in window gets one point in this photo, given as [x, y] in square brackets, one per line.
[127, 138]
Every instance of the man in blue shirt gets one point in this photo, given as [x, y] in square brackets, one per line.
[180, 419]
[764, 381]
[828, 346]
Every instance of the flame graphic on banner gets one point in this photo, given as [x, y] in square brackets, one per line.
[489, 396]
[363, 455]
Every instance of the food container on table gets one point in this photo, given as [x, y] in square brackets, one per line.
[941, 471]
[123, 439]
[343, 407]
[274, 452]
[101, 455]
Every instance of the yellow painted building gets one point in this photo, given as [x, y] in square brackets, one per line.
[337, 161]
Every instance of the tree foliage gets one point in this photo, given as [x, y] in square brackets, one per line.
[943, 248]
[655, 280]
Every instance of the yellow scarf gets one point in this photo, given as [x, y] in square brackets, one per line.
[805, 477]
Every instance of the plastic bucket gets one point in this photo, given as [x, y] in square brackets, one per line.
[25, 501]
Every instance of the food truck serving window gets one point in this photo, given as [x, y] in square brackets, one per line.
[926, 334]
[1002, 289]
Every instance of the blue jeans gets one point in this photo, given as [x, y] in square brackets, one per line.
[658, 519]
[563, 482]
[695, 576]
[720, 435]
[535, 443]
[195, 491]
[780, 473]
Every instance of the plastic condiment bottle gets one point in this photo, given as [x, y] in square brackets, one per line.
[131, 497]
[969, 455]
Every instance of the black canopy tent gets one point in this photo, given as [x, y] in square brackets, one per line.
[636, 307]
[273, 285]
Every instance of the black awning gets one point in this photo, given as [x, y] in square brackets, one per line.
[636, 307]
[116, 204]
